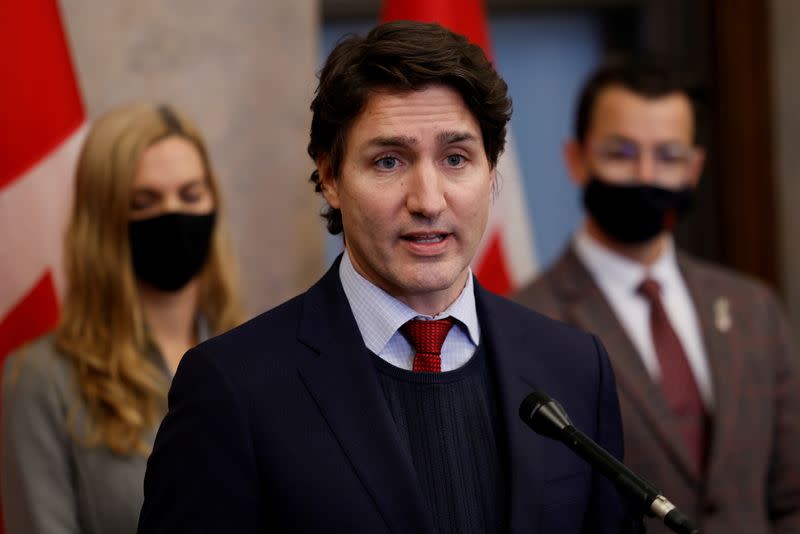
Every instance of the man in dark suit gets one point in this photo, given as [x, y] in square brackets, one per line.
[341, 410]
[707, 376]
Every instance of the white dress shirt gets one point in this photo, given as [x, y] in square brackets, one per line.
[379, 316]
[619, 277]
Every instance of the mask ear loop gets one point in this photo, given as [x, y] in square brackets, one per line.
[170, 119]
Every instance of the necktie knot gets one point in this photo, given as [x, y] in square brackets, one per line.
[427, 338]
[650, 289]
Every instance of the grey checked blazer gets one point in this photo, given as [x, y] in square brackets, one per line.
[753, 481]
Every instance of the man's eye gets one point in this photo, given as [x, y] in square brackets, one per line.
[387, 163]
[673, 155]
[619, 155]
[455, 160]
[671, 159]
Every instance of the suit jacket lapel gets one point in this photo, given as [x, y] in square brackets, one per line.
[586, 307]
[344, 384]
[726, 362]
[516, 377]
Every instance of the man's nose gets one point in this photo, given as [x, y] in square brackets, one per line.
[647, 168]
[425, 193]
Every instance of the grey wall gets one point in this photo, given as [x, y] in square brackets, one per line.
[244, 70]
[785, 20]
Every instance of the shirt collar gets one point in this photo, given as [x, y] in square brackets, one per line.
[622, 272]
[379, 315]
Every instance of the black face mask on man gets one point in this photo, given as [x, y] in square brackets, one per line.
[169, 250]
[635, 214]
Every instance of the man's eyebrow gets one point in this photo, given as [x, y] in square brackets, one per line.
[619, 138]
[399, 140]
[444, 138]
[447, 138]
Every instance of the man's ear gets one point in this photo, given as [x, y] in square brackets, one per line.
[575, 160]
[328, 183]
[696, 166]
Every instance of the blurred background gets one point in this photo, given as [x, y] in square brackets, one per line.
[245, 70]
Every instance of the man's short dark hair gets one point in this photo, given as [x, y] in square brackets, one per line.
[402, 56]
[647, 77]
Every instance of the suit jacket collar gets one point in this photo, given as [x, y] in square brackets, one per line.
[517, 374]
[587, 307]
[343, 382]
[345, 386]
[725, 357]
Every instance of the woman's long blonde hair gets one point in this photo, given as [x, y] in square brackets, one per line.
[102, 329]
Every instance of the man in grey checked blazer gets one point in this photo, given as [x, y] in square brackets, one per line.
[635, 159]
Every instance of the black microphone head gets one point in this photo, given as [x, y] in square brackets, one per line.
[544, 415]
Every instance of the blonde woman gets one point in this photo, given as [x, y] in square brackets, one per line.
[149, 276]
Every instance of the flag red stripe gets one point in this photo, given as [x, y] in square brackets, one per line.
[467, 17]
[35, 314]
[40, 105]
[492, 270]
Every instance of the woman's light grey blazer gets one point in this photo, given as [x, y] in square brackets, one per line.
[51, 483]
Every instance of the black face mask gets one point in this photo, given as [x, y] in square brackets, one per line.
[635, 214]
[169, 250]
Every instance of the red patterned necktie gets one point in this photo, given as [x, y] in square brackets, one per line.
[427, 338]
[677, 381]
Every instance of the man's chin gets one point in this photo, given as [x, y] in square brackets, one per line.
[430, 281]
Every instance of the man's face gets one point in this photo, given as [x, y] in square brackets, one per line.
[638, 141]
[414, 192]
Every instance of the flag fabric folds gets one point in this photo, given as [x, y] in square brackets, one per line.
[506, 257]
[42, 118]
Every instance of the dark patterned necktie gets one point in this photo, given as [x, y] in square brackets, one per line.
[427, 338]
[677, 381]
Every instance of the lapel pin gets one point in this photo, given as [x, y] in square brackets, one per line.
[722, 314]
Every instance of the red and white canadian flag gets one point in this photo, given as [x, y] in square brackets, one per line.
[41, 126]
[506, 257]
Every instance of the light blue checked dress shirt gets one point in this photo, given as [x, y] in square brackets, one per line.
[380, 315]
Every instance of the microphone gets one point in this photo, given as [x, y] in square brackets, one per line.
[548, 418]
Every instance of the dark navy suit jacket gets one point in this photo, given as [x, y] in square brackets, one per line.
[281, 426]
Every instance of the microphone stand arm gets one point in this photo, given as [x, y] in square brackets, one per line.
[638, 491]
